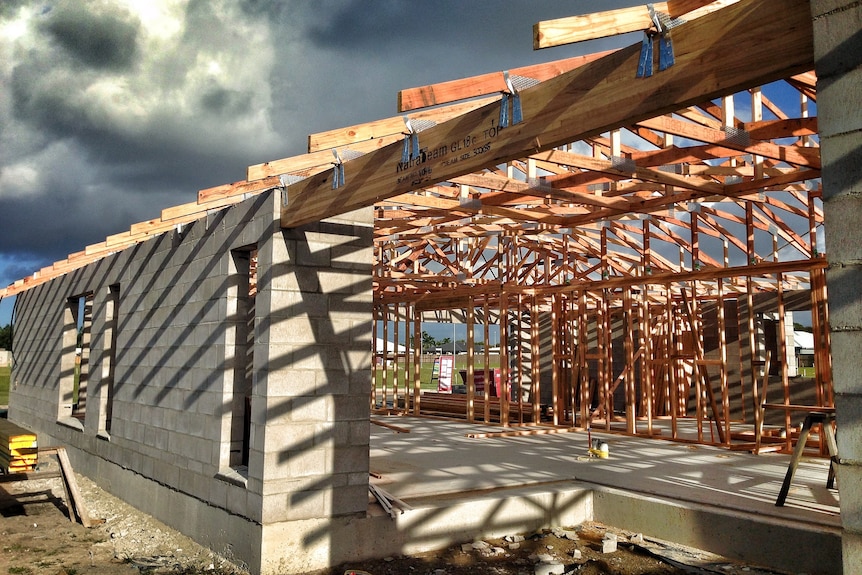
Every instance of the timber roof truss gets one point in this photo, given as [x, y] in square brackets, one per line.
[710, 164]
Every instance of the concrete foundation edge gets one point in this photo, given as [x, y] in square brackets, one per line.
[437, 522]
[782, 545]
[432, 524]
[231, 536]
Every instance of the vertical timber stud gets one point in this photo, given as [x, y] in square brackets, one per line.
[558, 364]
[583, 367]
[782, 354]
[397, 364]
[671, 364]
[504, 359]
[645, 339]
[609, 357]
[722, 350]
[375, 358]
[387, 373]
[487, 377]
[630, 388]
[536, 372]
[417, 360]
[574, 362]
[471, 379]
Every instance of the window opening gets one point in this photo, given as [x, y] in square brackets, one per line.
[75, 363]
[110, 354]
[245, 262]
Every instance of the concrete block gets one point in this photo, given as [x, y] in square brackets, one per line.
[845, 297]
[313, 252]
[350, 459]
[296, 506]
[846, 362]
[851, 546]
[350, 408]
[360, 432]
[313, 357]
[844, 212]
[841, 157]
[837, 44]
[850, 489]
[308, 463]
[338, 282]
[352, 257]
[848, 415]
[312, 409]
[350, 500]
[290, 382]
[292, 330]
[332, 381]
[254, 506]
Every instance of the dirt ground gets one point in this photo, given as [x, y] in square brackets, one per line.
[37, 538]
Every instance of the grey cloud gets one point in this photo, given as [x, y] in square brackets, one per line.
[10, 7]
[95, 34]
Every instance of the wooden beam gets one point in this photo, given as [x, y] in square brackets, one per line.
[485, 84]
[212, 195]
[809, 157]
[746, 44]
[614, 22]
[387, 126]
[645, 174]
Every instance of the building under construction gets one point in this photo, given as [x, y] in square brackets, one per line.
[641, 227]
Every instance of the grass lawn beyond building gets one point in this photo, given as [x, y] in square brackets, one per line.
[4, 384]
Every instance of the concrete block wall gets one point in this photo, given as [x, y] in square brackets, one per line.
[168, 353]
[317, 372]
[170, 361]
[838, 63]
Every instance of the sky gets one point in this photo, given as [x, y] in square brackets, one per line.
[112, 110]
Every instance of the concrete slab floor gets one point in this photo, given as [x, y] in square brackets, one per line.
[437, 457]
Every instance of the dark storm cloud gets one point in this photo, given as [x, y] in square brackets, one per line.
[95, 34]
[465, 26]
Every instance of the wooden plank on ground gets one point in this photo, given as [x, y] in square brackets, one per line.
[744, 45]
[76, 499]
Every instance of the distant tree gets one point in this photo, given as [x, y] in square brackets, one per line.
[799, 327]
[6, 337]
[428, 341]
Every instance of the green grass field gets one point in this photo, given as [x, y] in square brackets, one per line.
[426, 368]
[4, 384]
